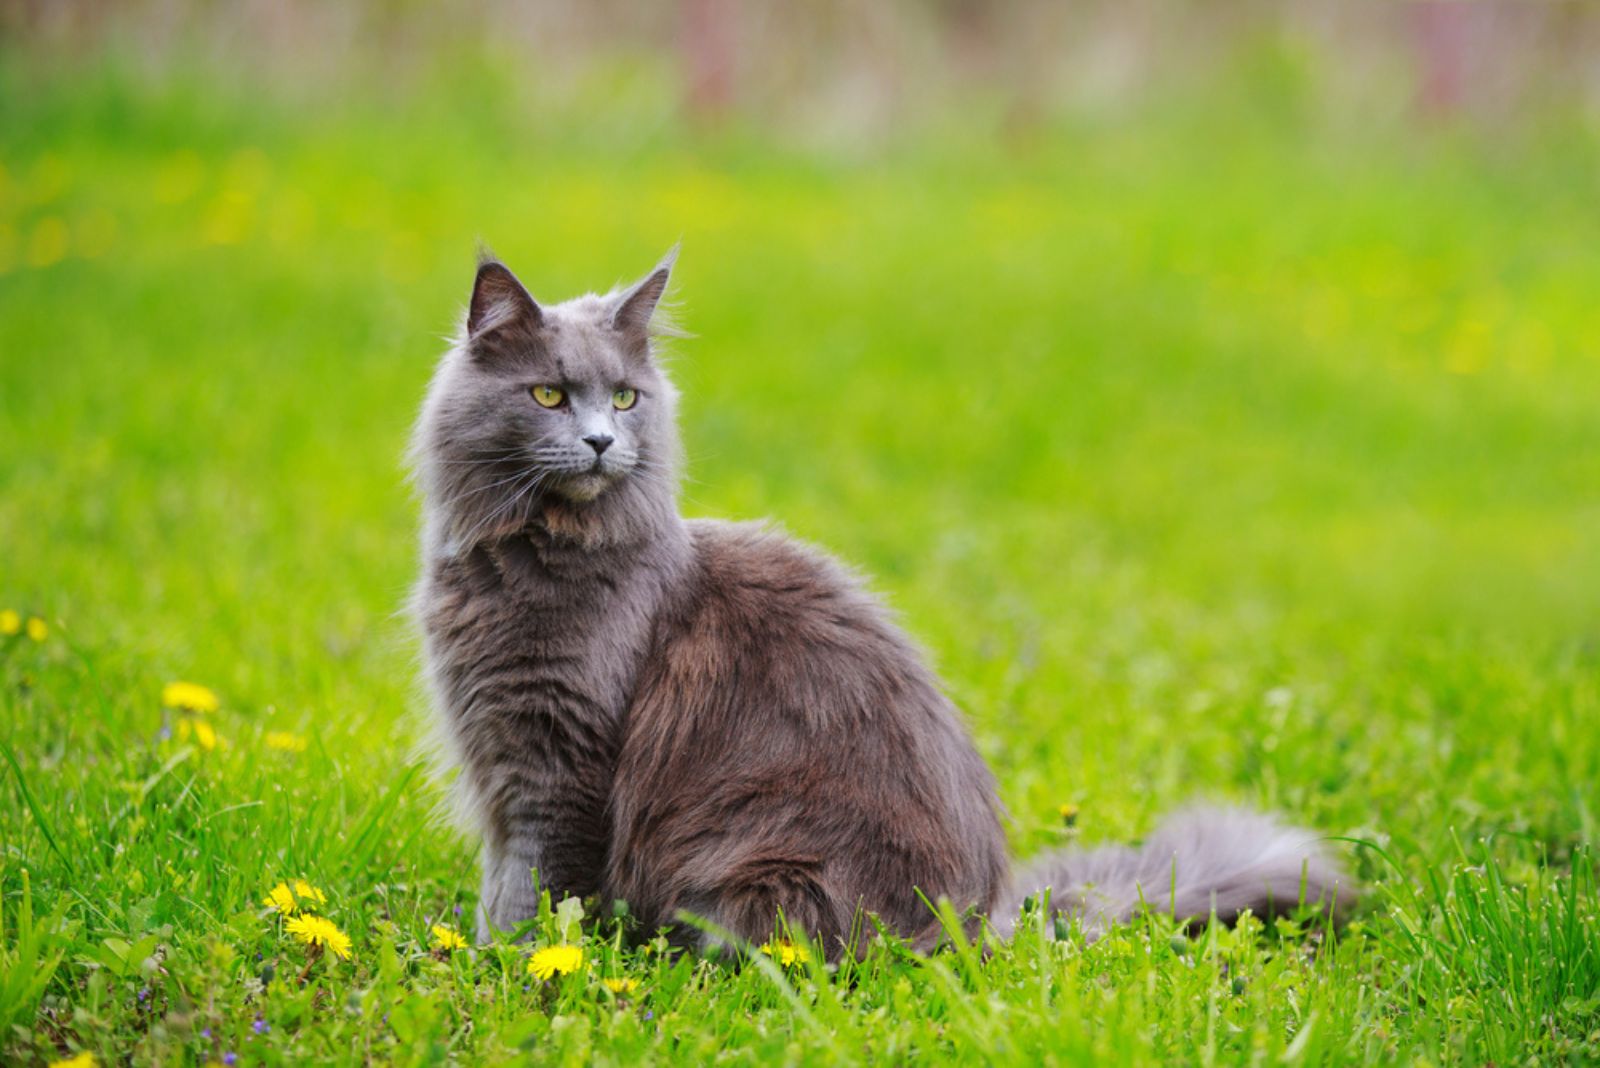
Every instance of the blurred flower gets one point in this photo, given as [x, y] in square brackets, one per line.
[289, 743]
[786, 952]
[446, 939]
[260, 1026]
[38, 629]
[555, 960]
[82, 1060]
[316, 931]
[621, 986]
[289, 901]
[48, 242]
[188, 696]
[10, 622]
[1069, 814]
[205, 735]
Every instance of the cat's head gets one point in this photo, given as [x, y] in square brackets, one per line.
[536, 404]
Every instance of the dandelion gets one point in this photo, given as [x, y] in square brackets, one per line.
[188, 696]
[446, 939]
[316, 931]
[1069, 814]
[82, 1060]
[10, 622]
[786, 952]
[204, 734]
[38, 629]
[555, 960]
[289, 900]
[287, 742]
[621, 986]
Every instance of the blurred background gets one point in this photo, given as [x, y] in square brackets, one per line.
[1177, 369]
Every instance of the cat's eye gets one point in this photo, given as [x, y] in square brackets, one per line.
[548, 396]
[623, 399]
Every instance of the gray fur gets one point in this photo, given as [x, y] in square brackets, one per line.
[1197, 863]
[698, 716]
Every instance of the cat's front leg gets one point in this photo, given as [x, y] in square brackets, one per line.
[556, 846]
[508, 895]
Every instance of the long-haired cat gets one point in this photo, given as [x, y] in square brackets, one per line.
[708, 717]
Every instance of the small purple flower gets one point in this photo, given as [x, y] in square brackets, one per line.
[649, 1014]
[144, 994]
[261, 1026]
[205, 1032]
[458, 910]
[230, 1058]
[164, 733]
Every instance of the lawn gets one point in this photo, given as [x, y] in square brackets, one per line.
[1209, 453]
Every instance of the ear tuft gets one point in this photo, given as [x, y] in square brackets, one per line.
[638, 305]
[499, 300]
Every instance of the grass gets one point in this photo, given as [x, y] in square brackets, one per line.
[1209, 454]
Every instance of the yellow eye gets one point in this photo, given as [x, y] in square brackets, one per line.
[548, 396]
[623, 399]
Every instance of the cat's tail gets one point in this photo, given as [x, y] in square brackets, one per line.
[1199, 862]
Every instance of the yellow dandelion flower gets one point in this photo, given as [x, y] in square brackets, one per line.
[1069, 814]
[555, 960]
[189, 696]
[289, 900]
[204, 734]
[621, 986]
[82, 1060]
[786, 952]
[446, 939]
[316, 931]
[10, 622]
[289, 743]
[38, 629]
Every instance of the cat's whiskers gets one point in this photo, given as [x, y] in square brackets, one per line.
[535, 476]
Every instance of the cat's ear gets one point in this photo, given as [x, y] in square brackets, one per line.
[637, 307]
[499, 300]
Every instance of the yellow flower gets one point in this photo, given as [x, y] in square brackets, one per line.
[786, 952]
[621, 986]
[316, 931]
[10, 622]
[555, 960]
[1069, 814]
[189, 696]
[289, 743]
[289, 901]
[82, 1060]
[38, 630]
[446, 939]
[205, 735]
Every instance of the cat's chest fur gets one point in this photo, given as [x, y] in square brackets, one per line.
[534, 648]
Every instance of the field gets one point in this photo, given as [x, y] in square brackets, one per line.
[1215, 452]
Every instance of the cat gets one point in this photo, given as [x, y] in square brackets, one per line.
[709, 718]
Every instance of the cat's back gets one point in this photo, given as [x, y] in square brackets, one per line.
[757, 588]
[788, 747]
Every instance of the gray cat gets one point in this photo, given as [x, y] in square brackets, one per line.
[708, 717]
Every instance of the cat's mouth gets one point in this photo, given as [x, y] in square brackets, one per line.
[588, 484]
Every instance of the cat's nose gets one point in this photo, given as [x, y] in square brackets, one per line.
[599, 442]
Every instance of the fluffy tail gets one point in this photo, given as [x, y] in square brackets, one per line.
[1199, 861]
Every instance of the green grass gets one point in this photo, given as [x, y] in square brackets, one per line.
[1209, 454]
